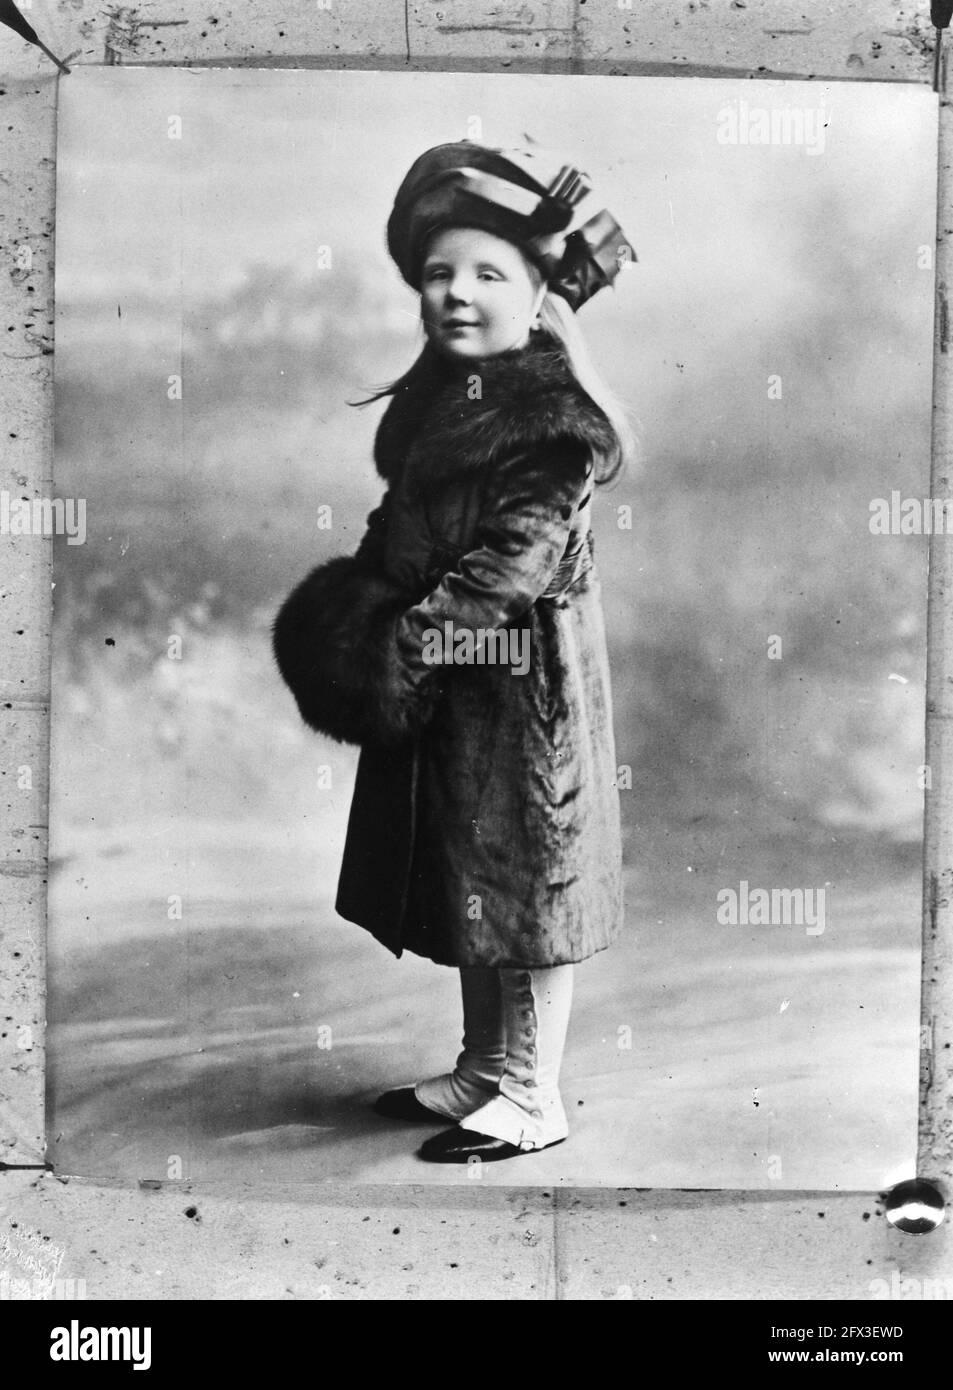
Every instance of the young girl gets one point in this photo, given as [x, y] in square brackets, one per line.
[484, 827]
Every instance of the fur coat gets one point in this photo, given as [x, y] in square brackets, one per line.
[463, 648]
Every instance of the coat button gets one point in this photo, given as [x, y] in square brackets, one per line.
[528, 1081]
[536, 1114]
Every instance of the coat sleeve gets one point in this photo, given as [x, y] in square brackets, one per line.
[522, 534]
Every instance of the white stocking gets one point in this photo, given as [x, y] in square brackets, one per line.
[476, 1076]
[528, 1111]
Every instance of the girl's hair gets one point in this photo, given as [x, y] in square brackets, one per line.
[558, 321]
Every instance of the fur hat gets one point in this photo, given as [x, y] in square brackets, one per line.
[527, 196]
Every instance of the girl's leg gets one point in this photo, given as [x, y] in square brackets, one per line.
[528, 1112]
[476, 1076]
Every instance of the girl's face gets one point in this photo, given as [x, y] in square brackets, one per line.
[478, 294]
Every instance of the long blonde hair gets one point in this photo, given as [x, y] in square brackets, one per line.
[558, 320]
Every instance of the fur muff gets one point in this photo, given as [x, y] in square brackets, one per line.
[334, 642]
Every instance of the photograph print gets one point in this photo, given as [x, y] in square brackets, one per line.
[488, 682]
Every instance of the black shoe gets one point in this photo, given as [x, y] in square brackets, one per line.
[404, 1105]
[459, 1145]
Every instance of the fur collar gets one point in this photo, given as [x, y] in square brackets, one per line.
[528, 397]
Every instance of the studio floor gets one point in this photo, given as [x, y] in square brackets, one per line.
[249, 1040]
